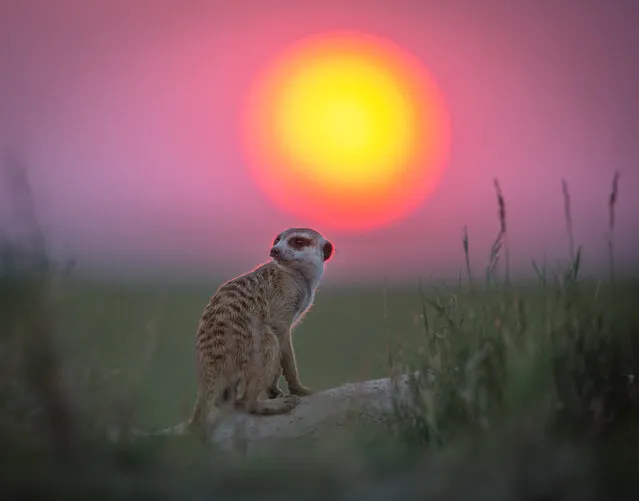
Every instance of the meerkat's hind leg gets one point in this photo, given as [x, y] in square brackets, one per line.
[263, 378]
[255, 399]
[274, 390]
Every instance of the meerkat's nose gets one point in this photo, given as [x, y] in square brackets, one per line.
[275, 252]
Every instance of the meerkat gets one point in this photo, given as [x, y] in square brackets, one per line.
[244, 340]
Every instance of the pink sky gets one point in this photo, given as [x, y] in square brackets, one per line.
[127, 113]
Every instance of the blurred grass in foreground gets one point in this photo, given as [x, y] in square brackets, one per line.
[526, 391]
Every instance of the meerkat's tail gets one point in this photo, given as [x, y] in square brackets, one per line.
[176, 430]
[207, 405]
[198, 412]
[187, 426]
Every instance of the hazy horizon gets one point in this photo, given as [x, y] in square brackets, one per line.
[126, 115]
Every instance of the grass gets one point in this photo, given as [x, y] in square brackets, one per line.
[525, 391]
[342, 339]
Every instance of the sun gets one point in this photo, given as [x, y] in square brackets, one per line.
[346, 130]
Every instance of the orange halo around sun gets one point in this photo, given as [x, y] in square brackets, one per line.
[346, 130]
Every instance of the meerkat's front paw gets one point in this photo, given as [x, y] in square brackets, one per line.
[301, 390]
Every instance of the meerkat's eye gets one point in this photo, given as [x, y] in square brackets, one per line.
[298, 242]
[277, 239]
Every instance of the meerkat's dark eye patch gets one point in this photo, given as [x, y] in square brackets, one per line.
[327, 250]
[299, 242]
[277, 239]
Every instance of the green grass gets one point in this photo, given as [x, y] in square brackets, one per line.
[493, 408]
[525, 391]
[143, 336]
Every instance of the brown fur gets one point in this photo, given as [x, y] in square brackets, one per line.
[244, 337]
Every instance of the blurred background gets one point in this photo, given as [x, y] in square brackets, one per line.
[121, 145]
[126, 114]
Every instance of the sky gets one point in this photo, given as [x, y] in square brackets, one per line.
[126, 113]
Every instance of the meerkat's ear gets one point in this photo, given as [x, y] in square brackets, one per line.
[327, 250]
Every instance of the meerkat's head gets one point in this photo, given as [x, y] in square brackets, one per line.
[302, 249]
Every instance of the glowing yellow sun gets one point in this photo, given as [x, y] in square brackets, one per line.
[346, 130]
